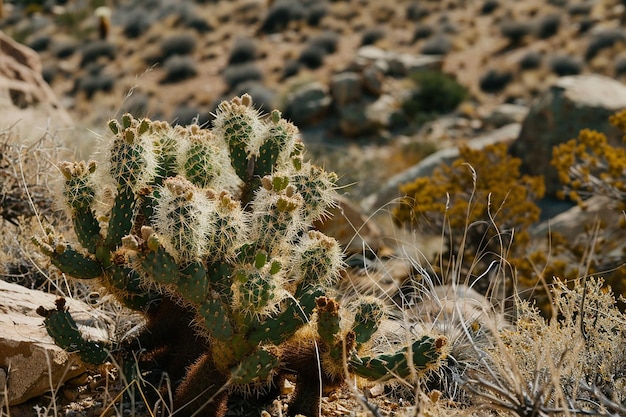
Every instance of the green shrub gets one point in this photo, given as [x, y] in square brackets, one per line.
[435, 93]
[178, 68]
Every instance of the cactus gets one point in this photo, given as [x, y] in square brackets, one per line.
[219, 223]
[63, 329]
[424, 353]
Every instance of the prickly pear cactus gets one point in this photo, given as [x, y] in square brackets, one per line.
[219, 220]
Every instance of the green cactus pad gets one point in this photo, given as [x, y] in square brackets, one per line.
[296, 312]
[78, 190]
[328, 320]
[166, 149]
[128, 163]
[160, 266]
[318, 258]
[122, 216]
[276, 218]
[87, 229]
[256, 292]
[278, 142]
[181, 219]
[126, 284]
[199, 165]
[228, 229]
[367, 318]
[193, 283]
[426, 353]
[318, 189]
[239, 125]
[219, 278]
[215, 319]
[63, 329]
[75, 264]
[255, 368]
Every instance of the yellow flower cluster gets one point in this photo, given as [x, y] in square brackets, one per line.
[589, 165]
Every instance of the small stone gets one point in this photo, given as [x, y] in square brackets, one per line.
[287, 388]
[377, 390]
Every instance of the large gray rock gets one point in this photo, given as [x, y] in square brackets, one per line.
[30, 362]
[570, 105]
[27, 103]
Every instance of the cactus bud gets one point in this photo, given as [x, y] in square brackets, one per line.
[114, 126]
[127, 120]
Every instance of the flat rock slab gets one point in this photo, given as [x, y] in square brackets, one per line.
[30, 363]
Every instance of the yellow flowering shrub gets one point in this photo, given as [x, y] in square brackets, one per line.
[589, 165]
[480, 201]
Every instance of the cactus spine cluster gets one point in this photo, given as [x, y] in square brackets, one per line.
[220, 221]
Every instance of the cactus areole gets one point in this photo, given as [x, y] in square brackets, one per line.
[219, 222]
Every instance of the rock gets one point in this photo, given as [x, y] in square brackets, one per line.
[505, 114]
[307, 103]
[367, 55]
[345, 88]
[396, 63]
[447, 310]
[573, 224]
[27, 103]
[373, 79]
[406, 64]
[353, 120]
[390, 190]
[571, 104]
[381, 112]
[30, 360]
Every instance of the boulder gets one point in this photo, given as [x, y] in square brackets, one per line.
[373, 79]
[307, 103]
[345, 88]
[27, 103]
[395, 63]
[29, 360]
[382, 112]
[354, 121]
[570, 105]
